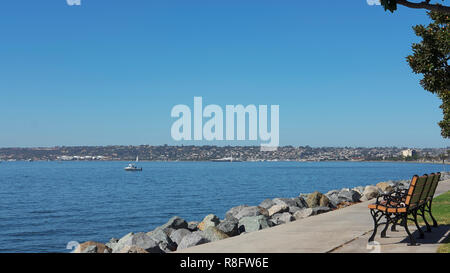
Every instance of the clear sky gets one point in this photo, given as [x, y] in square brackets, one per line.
[110, 71]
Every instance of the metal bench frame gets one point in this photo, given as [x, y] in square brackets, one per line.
[397, 207]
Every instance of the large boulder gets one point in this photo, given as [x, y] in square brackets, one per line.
[231, 213]
[282, 218]
[385, 187]
[253, 223]
[301, 202]
[317, 199]
[229, 226]
[132, 249]
[191, 240]
[179, 234]
[370, 192]
[333, 198]
[348, 196]
[359, 189]
[293, 209]
[278, 209]
[303, 213]
[193, 226]
[210, 220]
[445, 176]
[313, 199]
[162, 237]
[402, 184]
[267, 203]
[251, 211]
[286, 201]
[175, 223]
[140, 240]
[319, 210]
[92, 247]
[213, 234]
[112, 242]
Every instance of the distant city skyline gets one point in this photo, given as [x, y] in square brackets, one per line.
[109, 74]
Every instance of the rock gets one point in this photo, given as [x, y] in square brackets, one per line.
[132, 249]
[319, 210]
[303, 195]
[229, 226]
[402, 185]
[213, 234]
[192, 226]
[253, 223]
[333, 198]
[140, 240]
[445, 176]
[359, 189]
[385, 187]
[210, 220]
[317, 199]
[112, 242]
[166, 248]
[267, 203]
[348, 196]
[303, 213]
[363, 199]
[332, 192]
[175, 223]
[179, 234]
[92, 247]
[370, 192]
[282, 218]
[191, 240]
[277, 209]
[301, 202]
[324, 201]
[159, 235]
[231, 213]
[293, 209]
[286, 201]
[313, 199]
[251, 211]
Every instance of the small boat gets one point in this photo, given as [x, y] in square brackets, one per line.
[132, 167]
[226, 159]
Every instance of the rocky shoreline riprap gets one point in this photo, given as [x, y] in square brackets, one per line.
[179, 234]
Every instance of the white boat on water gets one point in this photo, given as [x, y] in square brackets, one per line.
[132, 167]
[226, 159]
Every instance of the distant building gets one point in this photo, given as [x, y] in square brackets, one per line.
[409, 153]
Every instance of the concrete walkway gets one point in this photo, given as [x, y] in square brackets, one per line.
[344, 230]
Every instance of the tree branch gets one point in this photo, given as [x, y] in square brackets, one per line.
[425, 5]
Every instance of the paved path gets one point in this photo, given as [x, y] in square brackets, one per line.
[344, 230]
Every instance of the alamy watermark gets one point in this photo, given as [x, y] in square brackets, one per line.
[373, 2]
[73, 2]
[235, 120]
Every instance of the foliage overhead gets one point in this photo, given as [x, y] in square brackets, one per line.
[391, 5]
[430, 58]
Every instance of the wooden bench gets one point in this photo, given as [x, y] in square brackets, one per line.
[401, 204]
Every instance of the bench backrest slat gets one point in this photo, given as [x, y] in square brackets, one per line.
[427, 187]
[433, 187]
[415, 190]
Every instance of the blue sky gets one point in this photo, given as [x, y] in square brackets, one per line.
[109, 72]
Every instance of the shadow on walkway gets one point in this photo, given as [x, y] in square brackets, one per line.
[436, 236]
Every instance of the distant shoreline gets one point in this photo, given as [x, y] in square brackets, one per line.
[244, 161]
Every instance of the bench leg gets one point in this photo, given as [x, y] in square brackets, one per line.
[383, 232]
[435, 224]
[394, 225]
[375, 223]
[422, 235]
[425, 220]
[412, 241]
